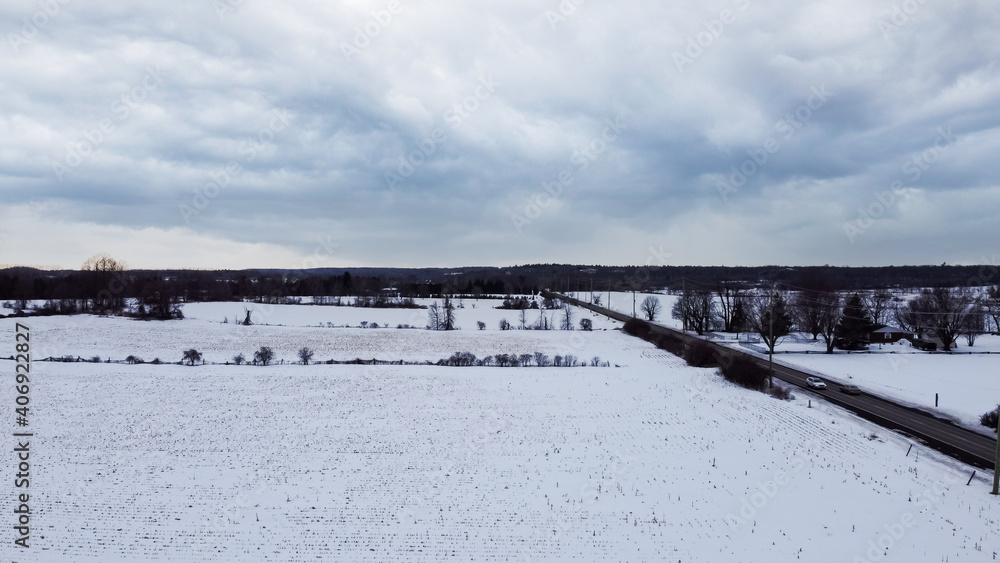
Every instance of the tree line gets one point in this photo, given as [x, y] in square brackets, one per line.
[103, 283]
[844, 320]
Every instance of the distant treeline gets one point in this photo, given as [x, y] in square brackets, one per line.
[108, 289]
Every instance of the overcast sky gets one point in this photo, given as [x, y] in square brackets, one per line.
[245, 133]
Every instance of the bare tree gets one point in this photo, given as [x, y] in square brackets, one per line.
[807, 315]
[102, 263]
[504, 325]
[567, 320]
[524, 318]
[730, 296]
[914, 315]
[682, 311]
[769, 317]
[941, 310]
[305, 354]
[481, 325]
[975, 323]
[434, 316]
[158, 300]
[831, 310]
[740, 321]
[543, 321]
[105, 282]
[650, 307]
[238, 359]
[878, 303]
[991, 305]
[586, 324]
[695, 309]
[263, 356]
[448, 314]
[192, 356]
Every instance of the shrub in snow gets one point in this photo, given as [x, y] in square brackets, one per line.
[989, 419]
[191, 356]
[670, 343]
[459, 359]
[635, 327]
[745, 372]
[781, 393]
[586, 324]
[263, 356]
[699, 354]
[305, 354]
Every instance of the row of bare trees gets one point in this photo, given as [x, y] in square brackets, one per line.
[950, 313]
[843, 321]
[441, 317]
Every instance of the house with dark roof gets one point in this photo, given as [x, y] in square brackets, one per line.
[890, 335]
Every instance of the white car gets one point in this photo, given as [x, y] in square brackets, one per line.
[815, 383]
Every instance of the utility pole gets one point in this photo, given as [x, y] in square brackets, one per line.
[996, 463]
[770, 347]
[684, 321]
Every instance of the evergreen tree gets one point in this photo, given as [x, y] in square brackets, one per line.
[855, 325]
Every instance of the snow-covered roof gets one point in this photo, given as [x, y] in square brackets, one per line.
[893, 329]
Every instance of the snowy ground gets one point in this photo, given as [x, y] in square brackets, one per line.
[967, 383]
[287, 328]
[654, 461]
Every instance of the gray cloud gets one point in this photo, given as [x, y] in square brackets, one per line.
[115, 117]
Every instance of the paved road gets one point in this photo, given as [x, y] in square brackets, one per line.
[941, 434]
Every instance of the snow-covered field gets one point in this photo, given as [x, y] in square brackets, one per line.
[287, 328]
[651, 461]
